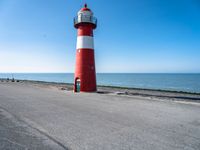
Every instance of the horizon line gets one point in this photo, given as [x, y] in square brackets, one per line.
[101, 73]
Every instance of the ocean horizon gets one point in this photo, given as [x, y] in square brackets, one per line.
[185, 82]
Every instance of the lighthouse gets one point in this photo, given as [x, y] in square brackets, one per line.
[85, 73]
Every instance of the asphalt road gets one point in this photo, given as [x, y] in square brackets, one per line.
[35, 117]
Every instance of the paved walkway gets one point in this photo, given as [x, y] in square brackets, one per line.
[33, 117]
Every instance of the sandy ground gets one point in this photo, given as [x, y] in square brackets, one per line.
[36, 115]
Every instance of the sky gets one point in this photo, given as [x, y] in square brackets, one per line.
[133, 36]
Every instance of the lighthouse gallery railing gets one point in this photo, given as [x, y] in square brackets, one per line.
[87, 19]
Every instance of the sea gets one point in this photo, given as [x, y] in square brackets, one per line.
[157, 81]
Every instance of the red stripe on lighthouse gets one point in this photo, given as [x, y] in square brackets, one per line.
[85, 30]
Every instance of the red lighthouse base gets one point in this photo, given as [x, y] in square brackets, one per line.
[85, 74]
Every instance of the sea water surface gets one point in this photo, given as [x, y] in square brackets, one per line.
[172, 82]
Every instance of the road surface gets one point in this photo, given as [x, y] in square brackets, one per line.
[37, 117]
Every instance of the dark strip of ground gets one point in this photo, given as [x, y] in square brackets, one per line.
[123, 91]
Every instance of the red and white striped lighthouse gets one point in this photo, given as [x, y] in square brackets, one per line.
[85, 74]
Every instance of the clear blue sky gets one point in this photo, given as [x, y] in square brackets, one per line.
[132, 35]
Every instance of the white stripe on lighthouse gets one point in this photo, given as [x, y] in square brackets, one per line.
[84, 42]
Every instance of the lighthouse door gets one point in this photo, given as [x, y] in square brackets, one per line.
[78, 85]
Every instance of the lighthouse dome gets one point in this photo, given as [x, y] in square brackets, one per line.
[85, 11]
[85, 8]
